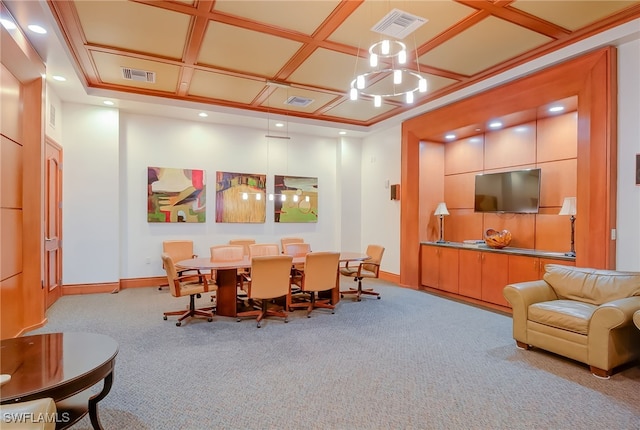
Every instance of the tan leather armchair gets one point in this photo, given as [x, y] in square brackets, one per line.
[178, 250]
[580, 313]
[369, 268]
[320, 274]
[187, 285]
[40, 414]
[636, 319]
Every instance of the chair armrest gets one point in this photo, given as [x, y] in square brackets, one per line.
[202, 278]
[520, 296]
[614, 314]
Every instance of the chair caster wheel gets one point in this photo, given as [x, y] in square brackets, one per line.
[308, 316]
[342, 296]
[238, 320]
[164, 317]
[333, 312]
[358, 299]
[258, 325]
[378, 297]
[178, 324]
[209, 319]
[286, 321]
[198, 296]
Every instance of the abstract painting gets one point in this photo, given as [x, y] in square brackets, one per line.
[296, 199]
[175, 195]
[240, 197]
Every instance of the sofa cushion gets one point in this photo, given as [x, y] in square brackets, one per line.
[591, 285]
[568, 315]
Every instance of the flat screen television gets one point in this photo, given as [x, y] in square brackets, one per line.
[516, 191]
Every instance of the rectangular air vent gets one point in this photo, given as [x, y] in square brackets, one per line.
[298, 101]
[138, 75]
[398, 24]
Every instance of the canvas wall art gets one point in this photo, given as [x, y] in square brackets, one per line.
[296, 199]
[175, 195]
[240, 197]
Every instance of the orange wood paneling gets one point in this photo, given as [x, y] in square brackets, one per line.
[464, 155]
[11, 168]
[521, 227]
[10, 112]
[590, 77]
[449, 270]
[553, 231]
[11, 264]
[463, 224]
[458, 190]
[108, 287]
[513, 146]
[430, 265]
[495, 275]
[545, 261]
[558, 179]
[11, 317]
[523, 268]
[470, 274]
[557, 137]
[431, 188]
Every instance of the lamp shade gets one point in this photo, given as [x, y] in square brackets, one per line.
[568, 206]
[441, 209]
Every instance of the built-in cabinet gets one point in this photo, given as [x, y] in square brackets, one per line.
[481, 274]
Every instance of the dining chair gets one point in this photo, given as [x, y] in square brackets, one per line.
[286, 240]
[178, 250]
[244, 242]
[296, 250]
[269, 281]
[368, 268]
[187, 285]
[262, 249]
[320, 274]
[34, 415]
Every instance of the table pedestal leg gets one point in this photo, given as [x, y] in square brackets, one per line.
[93, 401]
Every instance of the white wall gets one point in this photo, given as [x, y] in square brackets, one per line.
[628, 218]
[90, 194]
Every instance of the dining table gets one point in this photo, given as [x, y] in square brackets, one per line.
[226, 277]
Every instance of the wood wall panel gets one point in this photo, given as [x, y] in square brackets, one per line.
[11, 107]
[557, 137]
[465, 155]
[11, 230]
[513, 146]
[463, 224]
[458, 191]
[11, 317]
[521, 226]
[11, 167]
[558, 179]
[431, 188]
[553, 232]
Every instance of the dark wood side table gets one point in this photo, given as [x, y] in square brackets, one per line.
[61, 366]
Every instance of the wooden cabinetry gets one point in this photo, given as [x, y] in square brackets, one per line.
[440, 268]
[480, 274]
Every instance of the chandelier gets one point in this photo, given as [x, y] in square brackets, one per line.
[389, 76]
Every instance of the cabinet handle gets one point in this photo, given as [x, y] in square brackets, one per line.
[479, 256]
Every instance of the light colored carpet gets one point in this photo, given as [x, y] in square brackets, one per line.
[411, 360]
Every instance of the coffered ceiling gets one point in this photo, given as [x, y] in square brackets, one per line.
[257, 54]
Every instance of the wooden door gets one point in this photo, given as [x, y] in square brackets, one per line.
[470, 274]
[449, 270]
[53, 223]
[495, 276]
[430, 266]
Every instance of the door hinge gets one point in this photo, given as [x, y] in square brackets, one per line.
[59, 205]
[41, 284]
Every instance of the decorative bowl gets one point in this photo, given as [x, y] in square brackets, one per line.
[497, 239]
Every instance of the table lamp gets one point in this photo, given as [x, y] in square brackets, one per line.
[569, 208]
[441, 211]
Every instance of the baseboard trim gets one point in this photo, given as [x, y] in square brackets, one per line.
[391, 277]
[26, 330]
[151, 281]
[72, 289]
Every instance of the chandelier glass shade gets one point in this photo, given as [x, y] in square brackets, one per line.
[389, 76]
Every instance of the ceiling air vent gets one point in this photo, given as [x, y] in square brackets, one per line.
[298, 101]
[398, 24]
[138, 75]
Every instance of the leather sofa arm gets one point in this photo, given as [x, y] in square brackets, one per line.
[617, 313]
[520, 296]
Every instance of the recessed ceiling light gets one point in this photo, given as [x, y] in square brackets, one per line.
[7, 24]
[279, 124]
[203, 114]
[59, 78]
[556, 109]
[37, 29]
[495, 124]
[108, 102]
[450, 136]
[342, 133]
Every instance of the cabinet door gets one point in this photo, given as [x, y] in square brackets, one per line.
[523, 268]
[470, 274]
[448, 270]
[495, 276]
[545, 261]
[430, 266]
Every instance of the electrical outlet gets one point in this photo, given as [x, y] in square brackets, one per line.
[613, 234]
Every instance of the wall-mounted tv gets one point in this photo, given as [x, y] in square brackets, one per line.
[516, 191]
